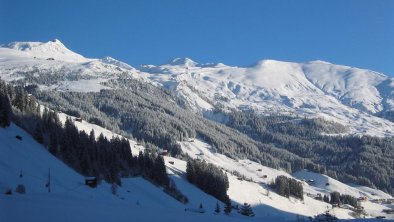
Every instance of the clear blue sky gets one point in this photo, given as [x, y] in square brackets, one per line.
[357, 33]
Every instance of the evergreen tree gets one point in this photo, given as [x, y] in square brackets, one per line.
[191, 172]
[114, 189]
[38, 135]
[5, 106]
[326, 198]
[228, 208]
[159, 172]
[5, 117]
[335, 198]
[282, 186]
[201, 208]
[54, 143]
[246, 210]
[217, 208]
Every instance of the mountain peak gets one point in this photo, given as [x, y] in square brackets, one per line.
[57, 41]
[268, 63]
[31, 46]
[320, 62]
[52, 49]
[183, 62]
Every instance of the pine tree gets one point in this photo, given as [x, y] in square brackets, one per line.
[201, 208]
[282, 186]
[335, 198]
[190, 172]
[53, 143]
[114, 189]
[246, 210]
[159, 172]
[217, 208]
[228, 208]
[4, 117]
[326, 198]
[5, 109]
[37, 135]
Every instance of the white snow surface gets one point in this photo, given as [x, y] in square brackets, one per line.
[71, 200]
[52, 49]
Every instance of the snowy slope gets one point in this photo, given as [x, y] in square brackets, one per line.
[355, 87]
[30, 159]
[71, 200]
[267, 204]
[137, 197]
[321, 181]
[265, 201]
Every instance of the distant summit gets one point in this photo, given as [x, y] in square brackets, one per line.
[183, 62]
[53, 49]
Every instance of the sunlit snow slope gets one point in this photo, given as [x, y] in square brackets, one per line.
[27, 162]
[70, 199]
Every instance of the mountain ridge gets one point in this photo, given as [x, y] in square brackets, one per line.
[319, 89]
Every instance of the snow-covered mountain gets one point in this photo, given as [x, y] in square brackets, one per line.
[350, 96]
[347, 95]
[52, 49]
[73, 72]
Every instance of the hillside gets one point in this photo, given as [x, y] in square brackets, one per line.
[137, 197]
[70, 199]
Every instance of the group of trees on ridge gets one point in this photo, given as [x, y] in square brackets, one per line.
[337, 198]
[209, 178]
[288, 187]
